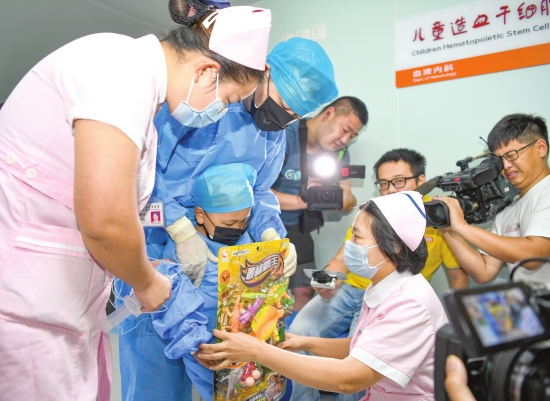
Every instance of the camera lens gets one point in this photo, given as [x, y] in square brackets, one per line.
[515, 375]
[530, 375]
[436, 214]
[326, 196]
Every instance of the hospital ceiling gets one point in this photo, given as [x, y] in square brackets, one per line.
[29, 30]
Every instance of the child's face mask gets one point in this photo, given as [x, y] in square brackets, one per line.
[226, 235]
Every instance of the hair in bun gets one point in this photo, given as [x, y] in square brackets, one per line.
[187, 12]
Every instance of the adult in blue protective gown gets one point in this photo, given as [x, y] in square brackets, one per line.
[299, 78]
[156, 360]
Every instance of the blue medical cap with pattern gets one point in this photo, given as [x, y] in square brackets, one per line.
[225, 188]
[303, 74]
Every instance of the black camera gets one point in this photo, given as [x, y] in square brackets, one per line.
[329, 195]
[324, 278]
[501, 333]
[481, 191]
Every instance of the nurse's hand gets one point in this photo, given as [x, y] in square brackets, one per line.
[293, 342]
[456, 382]
[154, 295]
[235, 347]
[206, 363]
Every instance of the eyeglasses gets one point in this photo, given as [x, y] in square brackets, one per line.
[514, 154]
[396, 182]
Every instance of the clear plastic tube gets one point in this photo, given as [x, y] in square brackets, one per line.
[131, 306]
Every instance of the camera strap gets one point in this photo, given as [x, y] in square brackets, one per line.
[302, 137]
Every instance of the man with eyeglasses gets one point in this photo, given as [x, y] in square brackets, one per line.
[522, 230]
[328, 132]
[337, 311]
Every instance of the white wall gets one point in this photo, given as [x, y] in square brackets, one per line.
[441, 120]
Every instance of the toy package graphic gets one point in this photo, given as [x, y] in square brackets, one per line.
[253, 299]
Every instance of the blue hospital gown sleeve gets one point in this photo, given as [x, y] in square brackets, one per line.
[183, 323]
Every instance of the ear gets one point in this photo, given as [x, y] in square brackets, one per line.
[542, 147]
[207, 69]
[328, 113]
[199, 215]
[421, 179]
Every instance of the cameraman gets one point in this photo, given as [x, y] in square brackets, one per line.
[522, 230]
[328, 132]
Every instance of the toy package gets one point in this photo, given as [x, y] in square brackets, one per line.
[253, 299]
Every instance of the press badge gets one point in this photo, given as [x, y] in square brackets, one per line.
[152, 214]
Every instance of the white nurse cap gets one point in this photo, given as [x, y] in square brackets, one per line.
[406, 214]
[241, 34]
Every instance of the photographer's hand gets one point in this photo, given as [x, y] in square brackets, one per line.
[336, 264]
[455, 213]
[456, 382]
[313, 182]
[327, 293]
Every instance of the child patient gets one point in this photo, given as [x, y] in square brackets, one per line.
[157, 351]
[392, 351]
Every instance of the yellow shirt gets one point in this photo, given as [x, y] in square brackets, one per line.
[438, 252]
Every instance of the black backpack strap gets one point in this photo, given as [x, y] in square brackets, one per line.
[303, 156]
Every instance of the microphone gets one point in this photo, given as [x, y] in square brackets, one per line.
[479, 154]
[428, 185]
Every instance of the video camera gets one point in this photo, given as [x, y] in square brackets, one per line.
[481, 191]
[501, 333]
[329, 195]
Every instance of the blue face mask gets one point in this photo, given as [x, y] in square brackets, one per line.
[357, 260]
[189, 117]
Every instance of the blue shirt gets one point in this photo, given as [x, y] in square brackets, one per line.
[289, 180]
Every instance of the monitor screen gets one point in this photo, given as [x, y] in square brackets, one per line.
[502, 316]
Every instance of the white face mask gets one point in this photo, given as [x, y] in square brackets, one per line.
[356, 258]
[190, 117]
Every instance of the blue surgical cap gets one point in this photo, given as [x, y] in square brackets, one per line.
[216, 3]
[303, 74]
[225, 188]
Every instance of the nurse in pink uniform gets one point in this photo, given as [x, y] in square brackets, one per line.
[391, 354]
[77, 160]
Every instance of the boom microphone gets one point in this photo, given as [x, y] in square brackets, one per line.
[428, 185]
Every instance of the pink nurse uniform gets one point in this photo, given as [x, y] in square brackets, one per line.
[52, 294]
[396, 337]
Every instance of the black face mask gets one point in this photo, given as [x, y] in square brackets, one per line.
[226, 235]
[270, 116]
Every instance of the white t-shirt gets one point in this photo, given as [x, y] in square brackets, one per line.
[528, 216]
